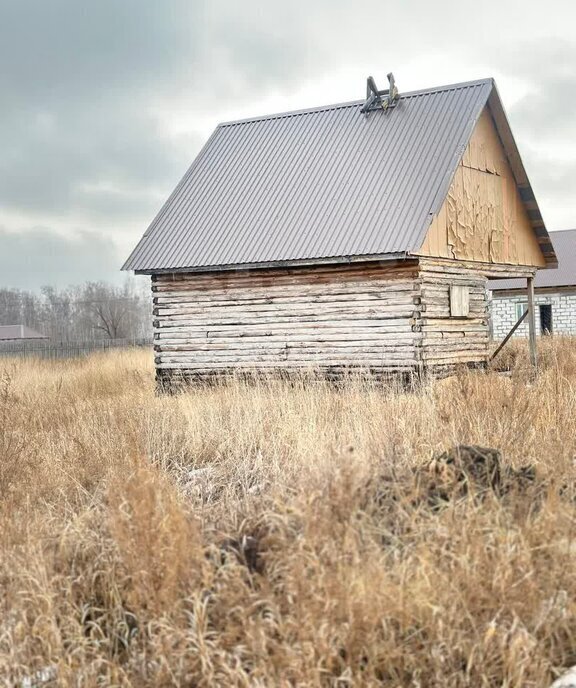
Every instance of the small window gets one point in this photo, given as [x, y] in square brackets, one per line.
[459, 301]
[521, 308]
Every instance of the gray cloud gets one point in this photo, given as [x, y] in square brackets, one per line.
[41, 257]
[77, 103]
[61, 48]
[79, 134]
[544, 123]
[87, 90]
[554, 183]
[54, 162]
[547, 110]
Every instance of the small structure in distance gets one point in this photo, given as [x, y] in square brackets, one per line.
[19, 333]
[554, 294]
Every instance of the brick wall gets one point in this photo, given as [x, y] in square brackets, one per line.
[504, 314]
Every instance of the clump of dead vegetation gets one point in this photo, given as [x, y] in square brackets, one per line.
[277, 534]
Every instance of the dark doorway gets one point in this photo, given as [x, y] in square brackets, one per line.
[545, 318]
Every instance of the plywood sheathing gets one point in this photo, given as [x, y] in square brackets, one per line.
[483, 218]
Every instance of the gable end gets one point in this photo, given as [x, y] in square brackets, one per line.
[487, 216]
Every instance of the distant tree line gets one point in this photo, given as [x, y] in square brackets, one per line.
[94, 310]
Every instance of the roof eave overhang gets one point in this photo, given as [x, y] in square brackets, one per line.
[514, 291]
[523, 183]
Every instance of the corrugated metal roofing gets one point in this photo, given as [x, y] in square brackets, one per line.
[9, 332]
[312, 185]
[563, 276]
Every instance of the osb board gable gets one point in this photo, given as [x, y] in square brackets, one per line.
[483, 218]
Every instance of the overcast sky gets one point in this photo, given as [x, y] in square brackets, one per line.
[104, 103]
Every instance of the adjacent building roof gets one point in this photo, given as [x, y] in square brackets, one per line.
[9, 332]
[563, 276]
[324, 184]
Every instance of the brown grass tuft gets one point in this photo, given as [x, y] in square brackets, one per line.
[276, 534]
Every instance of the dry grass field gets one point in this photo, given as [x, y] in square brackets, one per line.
[283, 535]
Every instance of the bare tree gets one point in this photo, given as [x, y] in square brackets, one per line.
[113, 312]
[95, 309]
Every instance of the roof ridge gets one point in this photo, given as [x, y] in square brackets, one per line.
[354, 103]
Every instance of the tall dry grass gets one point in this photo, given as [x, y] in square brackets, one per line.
[268, 535]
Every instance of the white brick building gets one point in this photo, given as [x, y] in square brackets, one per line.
[555, 295]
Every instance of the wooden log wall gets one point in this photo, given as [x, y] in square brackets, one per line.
[385, 318]
[446, 340]
[321, 318]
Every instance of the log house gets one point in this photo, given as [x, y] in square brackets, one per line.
[357, 236]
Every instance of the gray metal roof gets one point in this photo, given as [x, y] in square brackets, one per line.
[322, 184]
[10, 332]
[563, 276]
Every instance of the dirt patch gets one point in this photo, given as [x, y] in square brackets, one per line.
[471, 470]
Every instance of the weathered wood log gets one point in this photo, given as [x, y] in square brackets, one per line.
[344, 271]
[266, 362]
[454, 323]
[209, 321]
[450, 266]
[454, 334]
[351, 330]
[277, 277]
[293, 303]
[443, 312]
[342, 307]
[448, 348]
[291, 338]
[311, 346]
[313, 371]
[453, 357]
[343, 288]
[434, 289]
[318, 348]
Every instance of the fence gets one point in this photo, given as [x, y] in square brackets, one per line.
[47, 348]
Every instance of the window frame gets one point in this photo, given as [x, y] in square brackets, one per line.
[459, 301]
[520, 308]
